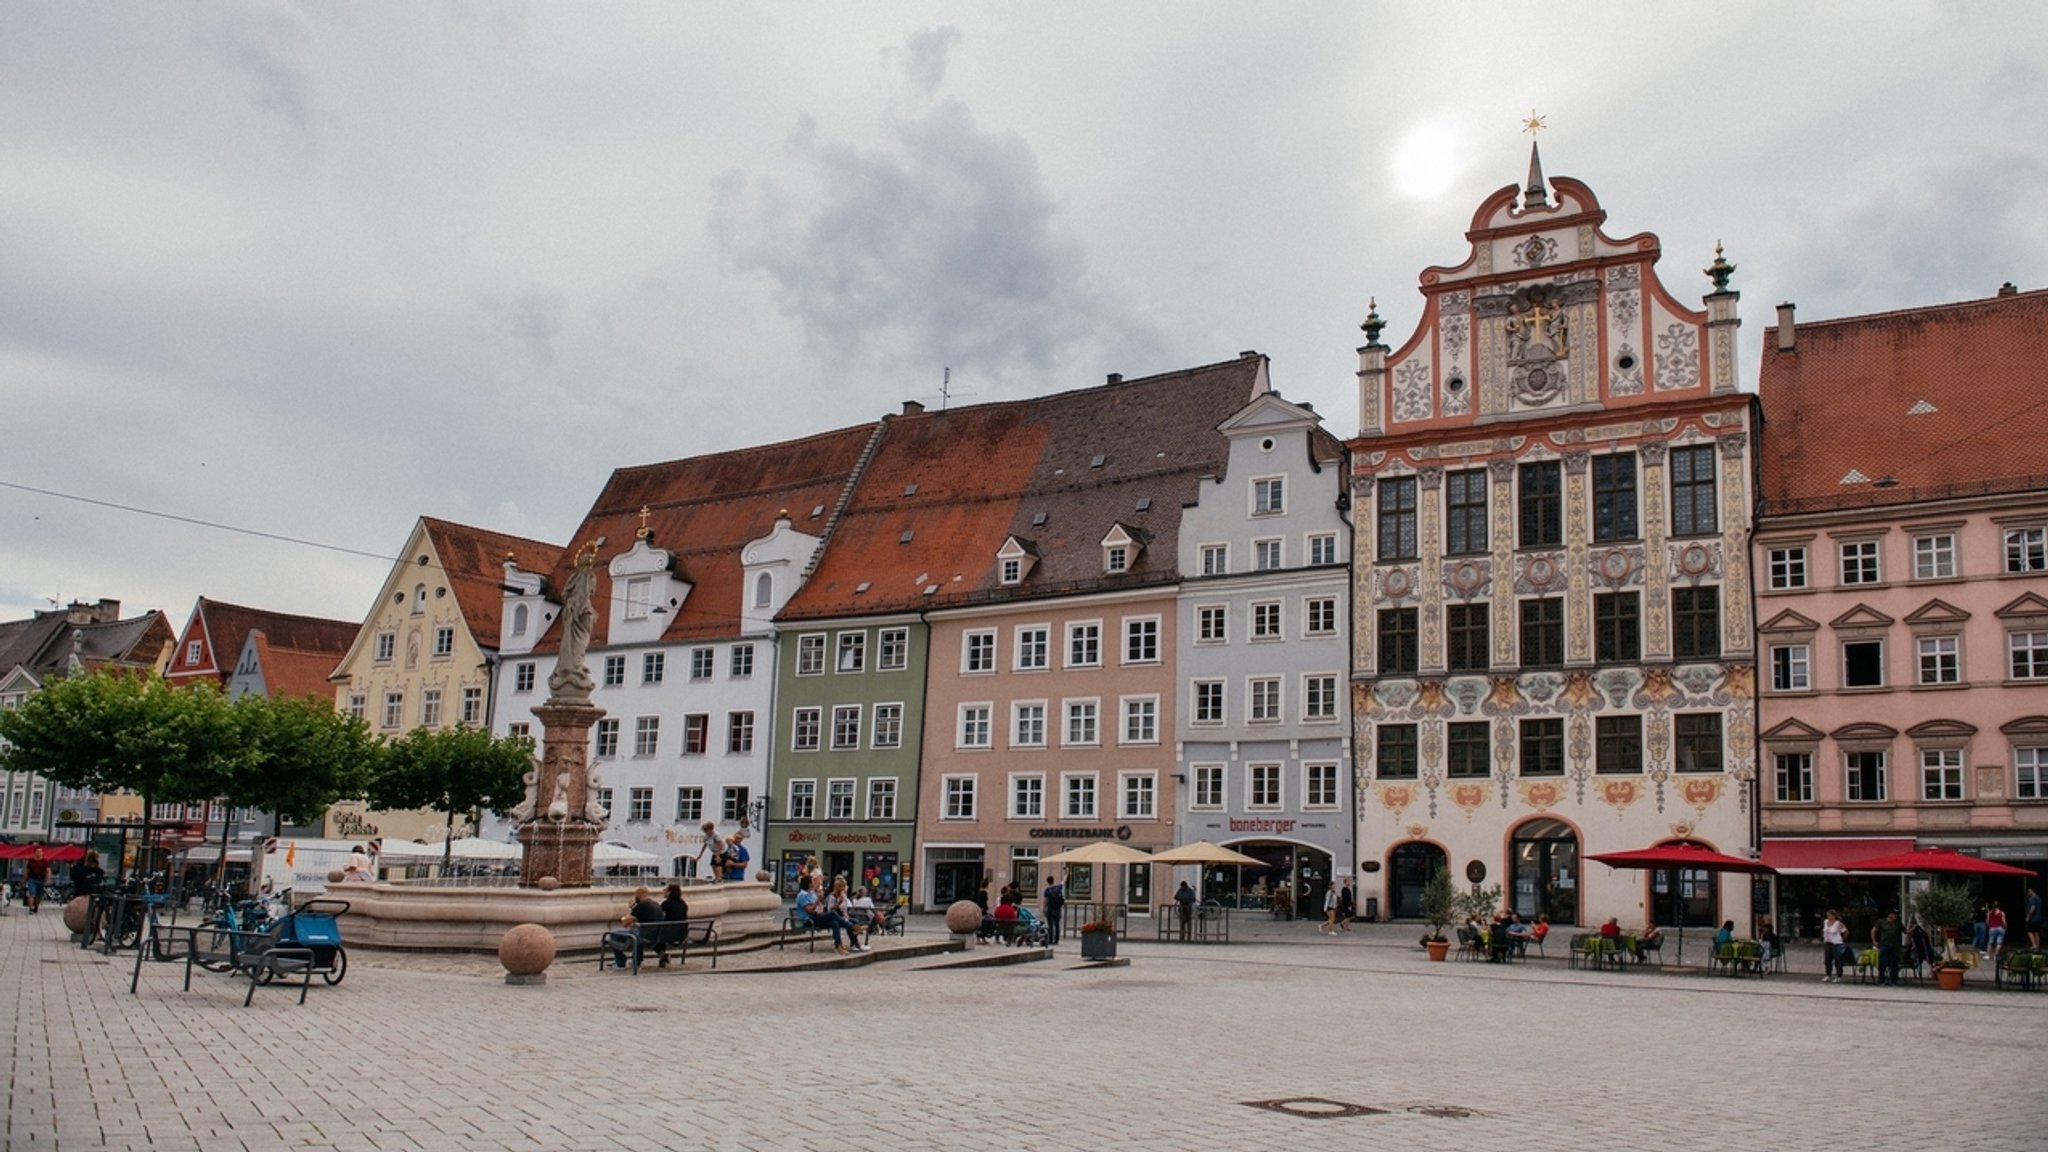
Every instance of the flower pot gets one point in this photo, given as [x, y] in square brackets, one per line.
[1950, 979]
[1098, 945]
[1438, 949]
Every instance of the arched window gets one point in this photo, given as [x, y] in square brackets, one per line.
[1545, 856]
[519, 620]
[764, 590]
[419, 599]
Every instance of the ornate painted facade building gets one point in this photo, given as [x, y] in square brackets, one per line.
[1553, 649]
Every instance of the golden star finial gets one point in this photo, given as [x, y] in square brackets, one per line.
[1532, 123]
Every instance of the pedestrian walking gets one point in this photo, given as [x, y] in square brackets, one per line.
[1834, 948]
[1347, 906]
[38, 877]
[2031, 913]
[1994, 930]
[1185, 898]
[1055, 903]
[1329, 923]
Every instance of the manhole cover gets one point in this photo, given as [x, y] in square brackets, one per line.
[1314, 1107]
[1443, 1111]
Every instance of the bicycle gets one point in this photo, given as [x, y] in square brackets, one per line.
[216, 933]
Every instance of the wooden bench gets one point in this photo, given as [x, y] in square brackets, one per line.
[659, 939]
[255, 955]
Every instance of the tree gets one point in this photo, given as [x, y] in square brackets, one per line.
[300, 756]
[452, 770]
[1439, 903]
[114, 731]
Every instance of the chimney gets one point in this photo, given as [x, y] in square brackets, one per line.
[1115, 378]
[2008, 289]
[912, 408]
[105, 612]
[1787, 339]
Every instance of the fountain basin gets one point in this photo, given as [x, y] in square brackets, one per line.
[428, 918]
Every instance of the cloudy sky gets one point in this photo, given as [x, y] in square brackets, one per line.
[315, 270]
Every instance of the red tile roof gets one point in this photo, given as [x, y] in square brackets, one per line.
[1947, 400]
[298, 672]
[703, 510]
[1083, 460]
[474, 561]
[228, 626]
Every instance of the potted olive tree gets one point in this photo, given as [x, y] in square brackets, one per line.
[1439, 903]
[1945, 907]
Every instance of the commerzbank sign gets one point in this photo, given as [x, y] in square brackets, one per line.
[1120, 832]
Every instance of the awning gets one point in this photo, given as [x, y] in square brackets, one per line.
[1812, 857]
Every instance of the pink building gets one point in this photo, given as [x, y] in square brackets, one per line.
[1902, 579]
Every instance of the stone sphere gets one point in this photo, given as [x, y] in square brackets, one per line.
[547, 883]
[74, 913]
[334, 876]
[527, 950]
[963, 916]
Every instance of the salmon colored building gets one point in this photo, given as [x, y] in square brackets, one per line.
[1902, 563]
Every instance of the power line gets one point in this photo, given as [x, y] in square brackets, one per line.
[195, 521]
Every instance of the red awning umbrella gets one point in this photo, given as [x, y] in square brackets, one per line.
[1935, 860]
[54, 853]
[1691, 856]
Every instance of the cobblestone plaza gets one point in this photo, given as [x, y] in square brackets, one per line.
[1170, 1052]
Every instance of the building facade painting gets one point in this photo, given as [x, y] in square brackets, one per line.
[1552, 643]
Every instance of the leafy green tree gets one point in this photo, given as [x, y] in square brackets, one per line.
[299, 757]
[114, 731]
[452, 770]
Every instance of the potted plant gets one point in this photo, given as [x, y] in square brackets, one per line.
[1098, 940]
[1946, 907]
[1439, 902]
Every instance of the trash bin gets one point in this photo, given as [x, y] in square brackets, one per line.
[1372, 909]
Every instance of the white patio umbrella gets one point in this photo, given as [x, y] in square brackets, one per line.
[1204, 852]
[1100, 852]
[618, 855]
[479, 848]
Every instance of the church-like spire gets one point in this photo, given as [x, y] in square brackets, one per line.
[1533, 196]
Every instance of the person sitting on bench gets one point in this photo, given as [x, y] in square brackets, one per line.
[644, 911]
[812, 912]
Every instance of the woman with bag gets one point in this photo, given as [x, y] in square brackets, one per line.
[1834, 948]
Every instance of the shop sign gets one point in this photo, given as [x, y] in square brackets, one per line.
[799, 836]
[1278, 827]
[1120, 832]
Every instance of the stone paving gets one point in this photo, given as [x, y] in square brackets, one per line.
[434, 1053]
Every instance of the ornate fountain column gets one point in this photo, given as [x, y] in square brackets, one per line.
[560, 820]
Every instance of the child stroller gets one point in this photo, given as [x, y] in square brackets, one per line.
[312, 925]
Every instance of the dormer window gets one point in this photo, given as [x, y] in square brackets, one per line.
[1120, 548]
[1013, 570]
[639, 593]
[764, 590]
[1014, 560]
[519, 615]
[1116, 558]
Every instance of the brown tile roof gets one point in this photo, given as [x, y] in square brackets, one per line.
[474, 560]
[703, 510]
[43, 644]
[228, 627]
[299, 672]
[1947, 400]
[985, 472]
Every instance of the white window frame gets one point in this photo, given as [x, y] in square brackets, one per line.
[978, 652]
[957, 796]
[1856, 558]
[1212, 624]
[1940, 655]
[1021, 792]
[739, 663]
[841, 791]
[2026, 654]
[1311, 607]
[2029, 772]
[973, 721]
[1269, 495]
[1017, 734]
[846, 720]
[1084, 640]
[1137, 795]
[1076, 787]
[1330, 681]
[703, 663]
[1116, 559]
[850, 652]
[1215, 559]
[639, 597]
[1264, 770]
[1210, 781]
[1222, 693]
[1135, 628]
[1883, 671]
[887, 730]
[880, 787]
[430, 707]
[797, 717]
[892, 649]
[1086, 710]
[640, 804]
[1265, 699]
[804, 789]
[1798, 668]
[1884, 772]
[1145, 709]
[689, 803]
[1311, 786]
[1787, 567]
[1792, 777]
[2026, 549]
[1934, 556]
[810, 654]
[1268, 622]
[1269, 554]
[646, 735]
[1321, 549]
[1941, 769]
[1032, 640]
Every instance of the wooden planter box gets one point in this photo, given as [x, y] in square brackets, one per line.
[1098, 945]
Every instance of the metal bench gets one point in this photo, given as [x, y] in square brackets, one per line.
[659, 939]
[255, 955]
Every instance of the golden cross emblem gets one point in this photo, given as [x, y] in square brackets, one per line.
[1532, 123]
[644, 531]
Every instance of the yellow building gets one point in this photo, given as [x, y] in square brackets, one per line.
[424, 655]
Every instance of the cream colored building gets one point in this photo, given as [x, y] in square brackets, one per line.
[426, 651]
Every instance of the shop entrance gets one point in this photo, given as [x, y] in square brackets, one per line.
[1546, 861]
[837, 864]
[1687, 897]
[1290, 879]
[956, 875]
[1409, 868]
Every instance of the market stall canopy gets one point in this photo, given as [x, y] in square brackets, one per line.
[612, 855]
[402, 851]
[1100, 852]
[1204, 852]
[1825, 855]
[1681, 856]
[480, 848]
[1946, 860]
[54, 853]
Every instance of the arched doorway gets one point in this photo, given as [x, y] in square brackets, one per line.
[1409, 868]
[1290, 879]
[1685, 897]
[1545, 856]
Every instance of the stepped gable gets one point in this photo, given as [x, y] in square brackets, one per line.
[704, 510]
[984, 473]
[474, 562]
[1941, 400]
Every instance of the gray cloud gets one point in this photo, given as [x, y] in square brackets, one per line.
[924, 57]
